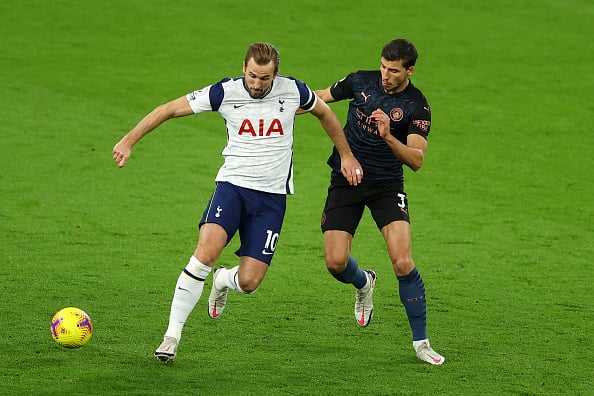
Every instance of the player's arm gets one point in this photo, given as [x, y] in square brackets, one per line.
[325, 95]
[340, 90]
[179, 107]
[342, 87]
[350, 166]
[412, 153]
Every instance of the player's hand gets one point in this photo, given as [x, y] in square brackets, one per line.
[383, 122]
[121, 153]
[351, 169]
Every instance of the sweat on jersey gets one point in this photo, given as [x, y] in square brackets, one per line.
[259, 150]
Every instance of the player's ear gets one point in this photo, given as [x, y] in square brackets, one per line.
[410, 71]
[244, 67]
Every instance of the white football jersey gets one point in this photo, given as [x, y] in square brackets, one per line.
[259, 150]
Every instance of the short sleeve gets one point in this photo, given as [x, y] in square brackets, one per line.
[343, 89]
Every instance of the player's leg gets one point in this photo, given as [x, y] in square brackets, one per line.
[189, 286]
[389, 208]
[342, 212]
[212, 240]
[339, 262]
[259, 233]
[341, 216]
[244, 278]
[190, 283]
[345, 269]
[411, 287]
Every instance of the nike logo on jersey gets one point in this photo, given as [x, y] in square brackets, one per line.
[237, 106]
[264, 252]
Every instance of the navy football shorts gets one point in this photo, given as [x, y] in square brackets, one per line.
[345, 204]
[257, 215]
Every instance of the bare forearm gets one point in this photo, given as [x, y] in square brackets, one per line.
[325, 95]
[176, 108]
[151, 121]
[412, 153]
[412, 157]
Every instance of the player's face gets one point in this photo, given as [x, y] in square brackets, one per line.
[258, 78]
[394, 75]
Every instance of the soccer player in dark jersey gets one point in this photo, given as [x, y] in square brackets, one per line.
[387, 126]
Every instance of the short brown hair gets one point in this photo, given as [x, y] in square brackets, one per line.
[263, 54]
[400, 50]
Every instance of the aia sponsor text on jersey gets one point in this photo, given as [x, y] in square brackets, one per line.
[263, 129]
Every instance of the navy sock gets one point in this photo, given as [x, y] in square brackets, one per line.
[412, 295]
[352, 274]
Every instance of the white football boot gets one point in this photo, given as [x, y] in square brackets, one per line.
[218, 298]
[364, 300]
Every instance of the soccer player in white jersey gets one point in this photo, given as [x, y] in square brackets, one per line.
[250, 195]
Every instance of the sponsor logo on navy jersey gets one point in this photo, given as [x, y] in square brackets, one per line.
[423, 125]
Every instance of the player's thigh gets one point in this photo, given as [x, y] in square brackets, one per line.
[224, 208]
[337, 249]
[211, 242]
[343, 209]
[398, 242]
[387, 203]
[220, 221]
[261, 225]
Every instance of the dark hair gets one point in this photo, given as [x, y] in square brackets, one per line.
[263, 54]
[402, 50]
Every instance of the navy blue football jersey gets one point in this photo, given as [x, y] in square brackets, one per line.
[409, 114]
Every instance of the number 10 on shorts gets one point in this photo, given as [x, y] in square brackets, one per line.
[271, 241]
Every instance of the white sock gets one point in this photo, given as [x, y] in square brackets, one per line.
[188, 290]
[228, 278]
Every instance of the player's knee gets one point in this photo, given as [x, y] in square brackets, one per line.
[335, 264]
[249, 286]
[205, 256]
[403, 266]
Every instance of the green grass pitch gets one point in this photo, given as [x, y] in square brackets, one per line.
[502, 216]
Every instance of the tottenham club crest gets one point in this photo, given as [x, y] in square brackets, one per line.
[195, 94]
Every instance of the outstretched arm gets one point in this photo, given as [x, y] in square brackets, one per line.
[350, 166]
[179, 107]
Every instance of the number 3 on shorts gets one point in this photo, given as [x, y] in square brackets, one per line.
[402, 202]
